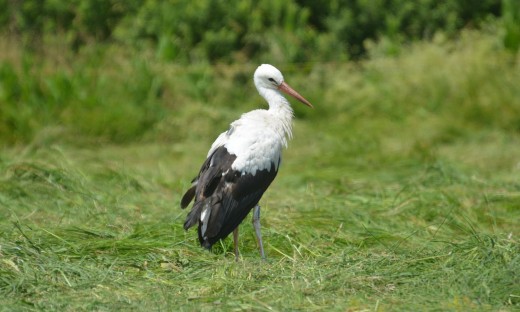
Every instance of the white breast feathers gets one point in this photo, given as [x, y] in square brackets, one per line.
[257, 139]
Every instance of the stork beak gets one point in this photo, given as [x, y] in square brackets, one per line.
[290, 91]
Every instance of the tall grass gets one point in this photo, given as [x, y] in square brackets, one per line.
[112, 95]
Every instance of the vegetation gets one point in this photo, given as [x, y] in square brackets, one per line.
[187, 31]
[400, 190]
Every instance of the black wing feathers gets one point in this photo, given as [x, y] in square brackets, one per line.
[229, 194]
[215, 157]
[188, 197]
[206, 183]
[246, 194]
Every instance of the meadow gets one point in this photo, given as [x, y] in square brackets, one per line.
[399, 192]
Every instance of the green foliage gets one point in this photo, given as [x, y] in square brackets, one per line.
[511, 18]
[402, 20]
[81, 21]
[208, 30]
[80, 100]
[118, 96]
[226, 31]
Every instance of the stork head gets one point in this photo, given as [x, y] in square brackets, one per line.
[269, 77]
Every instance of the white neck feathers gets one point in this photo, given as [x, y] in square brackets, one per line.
[281, 112]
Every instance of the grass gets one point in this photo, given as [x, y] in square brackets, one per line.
[399, 192]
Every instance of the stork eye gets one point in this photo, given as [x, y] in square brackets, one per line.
[272, 80]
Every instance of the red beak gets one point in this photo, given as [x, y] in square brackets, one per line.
[290, 91]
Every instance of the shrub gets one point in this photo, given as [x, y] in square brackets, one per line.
[210, 31]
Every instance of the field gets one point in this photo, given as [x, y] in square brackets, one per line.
[399, 192]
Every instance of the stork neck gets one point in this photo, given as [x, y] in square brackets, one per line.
[277, 102]
[281, 111]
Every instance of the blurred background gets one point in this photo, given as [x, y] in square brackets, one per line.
[113, 71]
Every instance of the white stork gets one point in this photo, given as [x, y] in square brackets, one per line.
[241, 165]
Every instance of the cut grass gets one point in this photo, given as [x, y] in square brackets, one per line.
[82, 232]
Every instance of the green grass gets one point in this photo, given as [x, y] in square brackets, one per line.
[400, 192]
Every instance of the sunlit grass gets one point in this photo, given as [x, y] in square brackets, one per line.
[99, 235]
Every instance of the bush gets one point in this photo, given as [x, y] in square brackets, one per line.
[238, 30]
[511, 18]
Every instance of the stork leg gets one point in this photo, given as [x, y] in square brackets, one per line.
[235, 242]
[256, 225]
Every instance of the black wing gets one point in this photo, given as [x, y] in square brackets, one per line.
[217, 156]
[227, 195]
